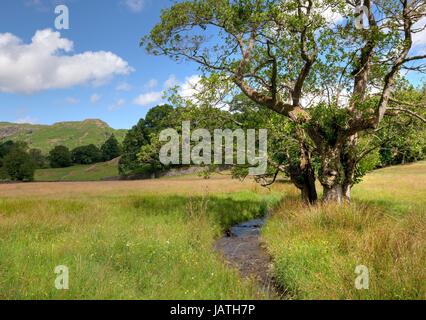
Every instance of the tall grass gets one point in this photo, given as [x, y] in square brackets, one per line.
[123, 247]
[317, 249]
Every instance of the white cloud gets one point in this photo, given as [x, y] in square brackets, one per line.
[171, 82]
[332, 16]
[71, 100]
[117, 105]
[186, 89]
[190, 87]
[147, 99]
[124, 86]
[419, 38]
[151, 84]
[134, 5]
[95, 98]
[26, 120]
[43, 64]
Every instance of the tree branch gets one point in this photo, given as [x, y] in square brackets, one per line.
[407, 111]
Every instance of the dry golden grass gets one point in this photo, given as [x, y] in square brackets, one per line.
[316, 249]
[124, 240]
[185, 186]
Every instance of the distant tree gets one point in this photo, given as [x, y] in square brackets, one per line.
[19, 165]
[110, 149]
[38, 158]
[5, 148]
[159, 118]
[60, 157]
[86, 154]
[136, 137]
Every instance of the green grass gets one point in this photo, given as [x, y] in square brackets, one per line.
[95, 172]
[317, 249]
[69, 134]
[154, 239]
[123, 247]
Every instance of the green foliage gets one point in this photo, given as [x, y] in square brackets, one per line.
[5, 148]
[37, 157]
[141, 145]
[135, 138]
[329, 119]
[159, 118]
[69, 134]
[91, 172]
[283, 53]
[60, 157]
[110, 149]
[18, 165]
[86, 154]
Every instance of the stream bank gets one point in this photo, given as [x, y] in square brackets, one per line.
[241, 248]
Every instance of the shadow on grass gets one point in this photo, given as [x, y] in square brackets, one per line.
[393, 207]
[224, 210]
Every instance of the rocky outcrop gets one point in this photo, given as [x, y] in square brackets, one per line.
[8, 131]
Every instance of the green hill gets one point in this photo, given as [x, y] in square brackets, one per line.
[70, 134]
[93, 172]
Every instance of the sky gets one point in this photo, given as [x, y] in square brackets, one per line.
[94, 70]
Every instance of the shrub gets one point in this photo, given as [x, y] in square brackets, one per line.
[19, 165]
[86, 155]
[110, 149]
[60, 157]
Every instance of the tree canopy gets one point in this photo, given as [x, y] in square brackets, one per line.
[60, 157]
[111, 149]
[16, 163]
[334, 80]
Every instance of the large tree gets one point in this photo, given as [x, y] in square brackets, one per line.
[18, 164]
[334, 79]
[60, 157]
[111, 149]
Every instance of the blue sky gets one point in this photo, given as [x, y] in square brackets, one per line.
[96, 69]
[119, 95]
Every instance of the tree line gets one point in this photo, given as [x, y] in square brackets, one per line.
[18, 162]
[396, 143]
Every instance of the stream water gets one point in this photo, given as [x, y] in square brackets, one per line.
[241, 248]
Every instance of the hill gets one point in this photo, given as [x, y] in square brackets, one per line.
[70, 134]
[94, 172]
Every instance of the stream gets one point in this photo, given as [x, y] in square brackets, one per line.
[241, 248]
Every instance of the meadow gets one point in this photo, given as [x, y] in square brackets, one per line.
[90, 172]
[316, 250]
[124, 240]
[154, 239]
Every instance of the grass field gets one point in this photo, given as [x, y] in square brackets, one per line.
[124, 240]
[153, 239]
[316, 250]
[95, 172]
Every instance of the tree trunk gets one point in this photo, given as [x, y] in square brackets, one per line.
[349, 165]
[303, 177]
[347, 193]
[309, 190]
[333, 193]
[332, 175]
[303, 174]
